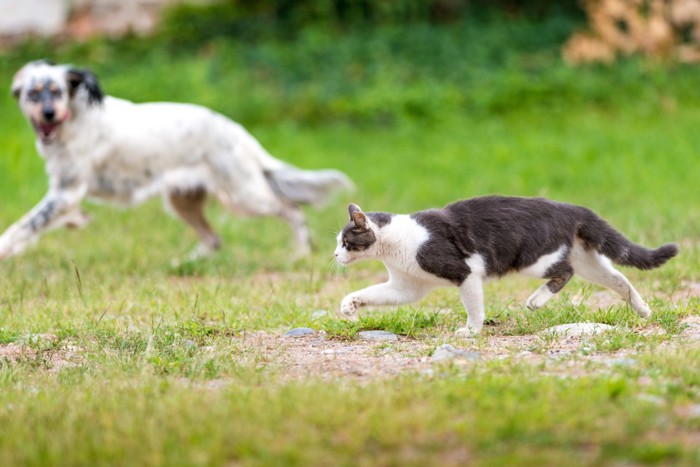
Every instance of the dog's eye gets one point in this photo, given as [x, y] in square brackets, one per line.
[56, 93]
[33, 95]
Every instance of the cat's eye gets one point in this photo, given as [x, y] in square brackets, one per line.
[345, 243]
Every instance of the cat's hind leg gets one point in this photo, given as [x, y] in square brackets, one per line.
[472, 294]
[598, 269]
[392, 292]
[558, 275]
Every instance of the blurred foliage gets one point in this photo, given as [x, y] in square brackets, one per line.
[253, 19]
[361, 61]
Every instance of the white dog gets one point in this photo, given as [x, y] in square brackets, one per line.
[113, 150]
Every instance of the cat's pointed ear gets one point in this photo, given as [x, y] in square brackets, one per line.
[358, 217]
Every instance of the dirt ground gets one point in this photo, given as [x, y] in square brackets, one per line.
[318, 356]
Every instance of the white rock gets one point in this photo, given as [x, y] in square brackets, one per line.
[318, 314]
[378, 336]
[447, 352]
[578, 329]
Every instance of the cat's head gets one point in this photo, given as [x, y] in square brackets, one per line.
[358, 239]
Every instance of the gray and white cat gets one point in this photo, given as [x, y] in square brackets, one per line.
[470, 241]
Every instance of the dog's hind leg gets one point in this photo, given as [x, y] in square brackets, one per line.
[296, 218]
[189, 205]
[260, 200]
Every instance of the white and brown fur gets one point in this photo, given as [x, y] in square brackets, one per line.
[470, 241]
[109, 149]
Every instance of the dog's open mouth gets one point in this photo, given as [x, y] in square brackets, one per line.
[46, 130]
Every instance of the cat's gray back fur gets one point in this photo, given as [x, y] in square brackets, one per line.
[509, 233]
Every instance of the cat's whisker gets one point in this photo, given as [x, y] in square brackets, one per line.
[335, 267]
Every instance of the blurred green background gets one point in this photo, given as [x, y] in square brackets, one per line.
[421, 102]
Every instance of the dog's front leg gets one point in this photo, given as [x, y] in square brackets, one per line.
[57, 208]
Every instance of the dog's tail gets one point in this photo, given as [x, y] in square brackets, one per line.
[599, 235]
[296, 185]
[313, 187]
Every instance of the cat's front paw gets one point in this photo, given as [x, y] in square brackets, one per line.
[467, 331]
[349, 307]
[642, 310]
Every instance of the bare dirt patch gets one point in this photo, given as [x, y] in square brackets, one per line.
[317, 356]
[53, 359]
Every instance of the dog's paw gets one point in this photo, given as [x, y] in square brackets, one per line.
[78, 220]
[349, 307]
[201, 251]
[192, 262]
[8, 248]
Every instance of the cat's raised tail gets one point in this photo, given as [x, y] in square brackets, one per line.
[599, 235]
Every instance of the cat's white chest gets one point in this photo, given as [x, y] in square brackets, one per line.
[404, 237]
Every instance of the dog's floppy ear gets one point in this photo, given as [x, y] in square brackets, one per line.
[87, 80]
[18, 82]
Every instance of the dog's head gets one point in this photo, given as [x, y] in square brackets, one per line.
[48, 94]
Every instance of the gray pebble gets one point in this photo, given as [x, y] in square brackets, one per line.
[651, 399]
[622, 362]
[694, 411]
[378, 336]
[578, 329]
[38, 339]
[299, 332]
[447, 352]
[318, 314]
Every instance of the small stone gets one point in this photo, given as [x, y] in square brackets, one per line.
[298, 332]
[378, 336]
[190, 344]
[318, 314]
[447, 352]
[38, 338]
[622, 362]
[645, 381]
[694, 411]
[651, 399]
[578, 329]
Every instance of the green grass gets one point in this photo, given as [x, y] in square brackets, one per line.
[164, 365]
[414, 420]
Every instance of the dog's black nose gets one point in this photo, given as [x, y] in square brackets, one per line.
[49, 113]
